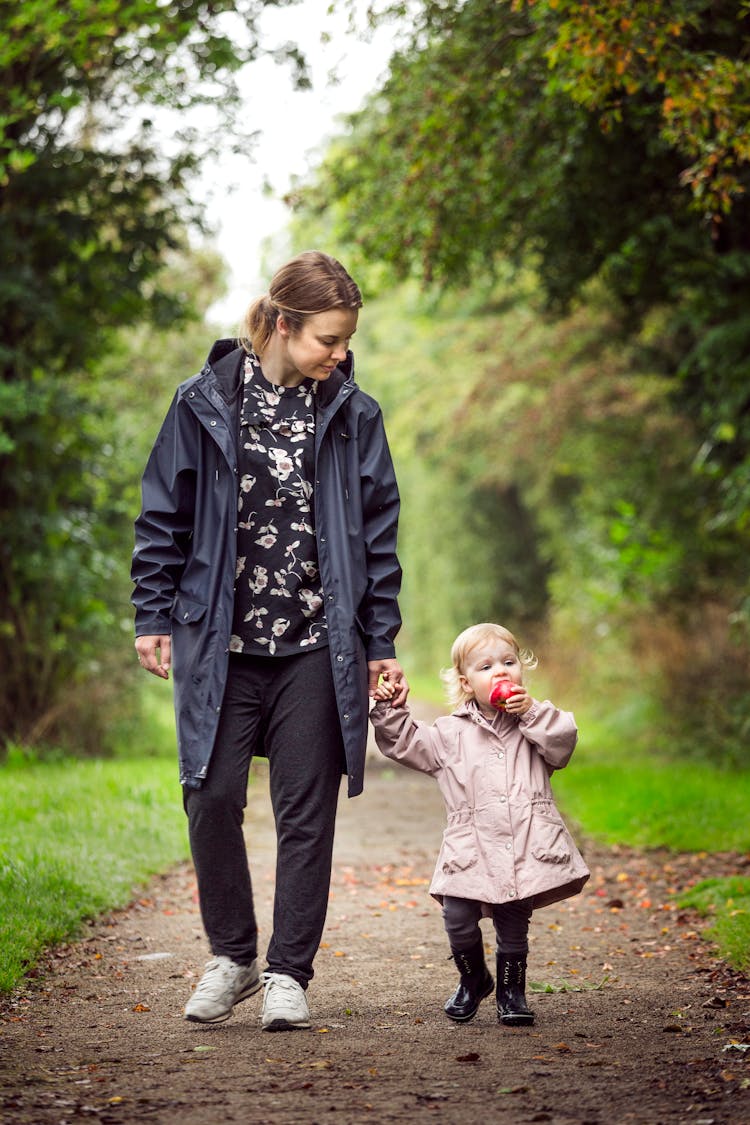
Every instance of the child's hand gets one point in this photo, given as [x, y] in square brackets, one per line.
[384, 689]
[519, 702]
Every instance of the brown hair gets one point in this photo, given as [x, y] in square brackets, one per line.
[463, 645]
[311, 283]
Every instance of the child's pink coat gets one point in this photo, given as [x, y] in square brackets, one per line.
[504, 839]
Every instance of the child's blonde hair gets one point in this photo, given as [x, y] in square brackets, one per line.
[463, 645]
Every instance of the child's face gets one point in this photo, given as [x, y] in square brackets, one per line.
[487, 663]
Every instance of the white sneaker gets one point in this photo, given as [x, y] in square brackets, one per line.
[284, 1004]
[223, 984]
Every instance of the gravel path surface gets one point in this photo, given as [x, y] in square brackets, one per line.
[638, 1022]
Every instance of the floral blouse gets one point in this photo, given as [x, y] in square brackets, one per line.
[278, 601]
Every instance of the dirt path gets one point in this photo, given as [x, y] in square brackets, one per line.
[643, 1026]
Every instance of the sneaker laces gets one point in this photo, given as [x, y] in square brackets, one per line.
[214, 969]
[281, 981]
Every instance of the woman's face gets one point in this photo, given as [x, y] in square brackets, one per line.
[320, 345]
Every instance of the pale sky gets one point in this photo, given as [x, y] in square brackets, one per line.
[294, 126]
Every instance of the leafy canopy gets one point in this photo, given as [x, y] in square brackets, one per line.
[596, 140]
[93, 202]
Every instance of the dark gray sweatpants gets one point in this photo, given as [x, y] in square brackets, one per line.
[283, 708]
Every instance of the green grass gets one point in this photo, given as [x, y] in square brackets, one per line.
[728, 902]
[77, 837]
[687, 808]
[622, 789]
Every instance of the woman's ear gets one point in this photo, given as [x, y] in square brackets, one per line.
[282, 327]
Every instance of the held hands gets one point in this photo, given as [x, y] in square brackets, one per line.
[387, 682]
[147, 649]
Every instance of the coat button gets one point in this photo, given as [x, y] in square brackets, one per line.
[500, 754]
[339, 658]
[511, 894]
[213, 421]
[503, 799]
[346, 717]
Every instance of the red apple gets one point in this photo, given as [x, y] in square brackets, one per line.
[501, 693]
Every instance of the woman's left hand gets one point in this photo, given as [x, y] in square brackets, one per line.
[391, 671]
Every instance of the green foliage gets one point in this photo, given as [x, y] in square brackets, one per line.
[547, 481]
[605, 148]
[727, 901]
[81, 54]
[61, 527]
[93, 207]
[78, 449]
[577, 137]
[689, 57]
[76, 838]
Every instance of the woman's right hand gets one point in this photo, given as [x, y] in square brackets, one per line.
[147, 649]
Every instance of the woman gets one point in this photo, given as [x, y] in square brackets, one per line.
[266, 574]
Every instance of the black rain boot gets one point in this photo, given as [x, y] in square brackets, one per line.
[476, 983]
[512, 1010]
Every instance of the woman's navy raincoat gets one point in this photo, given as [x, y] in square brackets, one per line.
[185, 551]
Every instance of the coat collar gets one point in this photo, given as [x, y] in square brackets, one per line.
[470, 710]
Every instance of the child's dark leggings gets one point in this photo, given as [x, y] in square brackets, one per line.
[511, 920]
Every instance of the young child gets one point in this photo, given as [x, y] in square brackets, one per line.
[505, 851]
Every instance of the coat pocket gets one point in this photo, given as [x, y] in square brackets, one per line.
[187, 611]
[550, 842]
[191, 641]
[459, 851]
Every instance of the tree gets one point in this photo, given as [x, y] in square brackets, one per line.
[605, 145]
[595, 139]
[93, 201]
